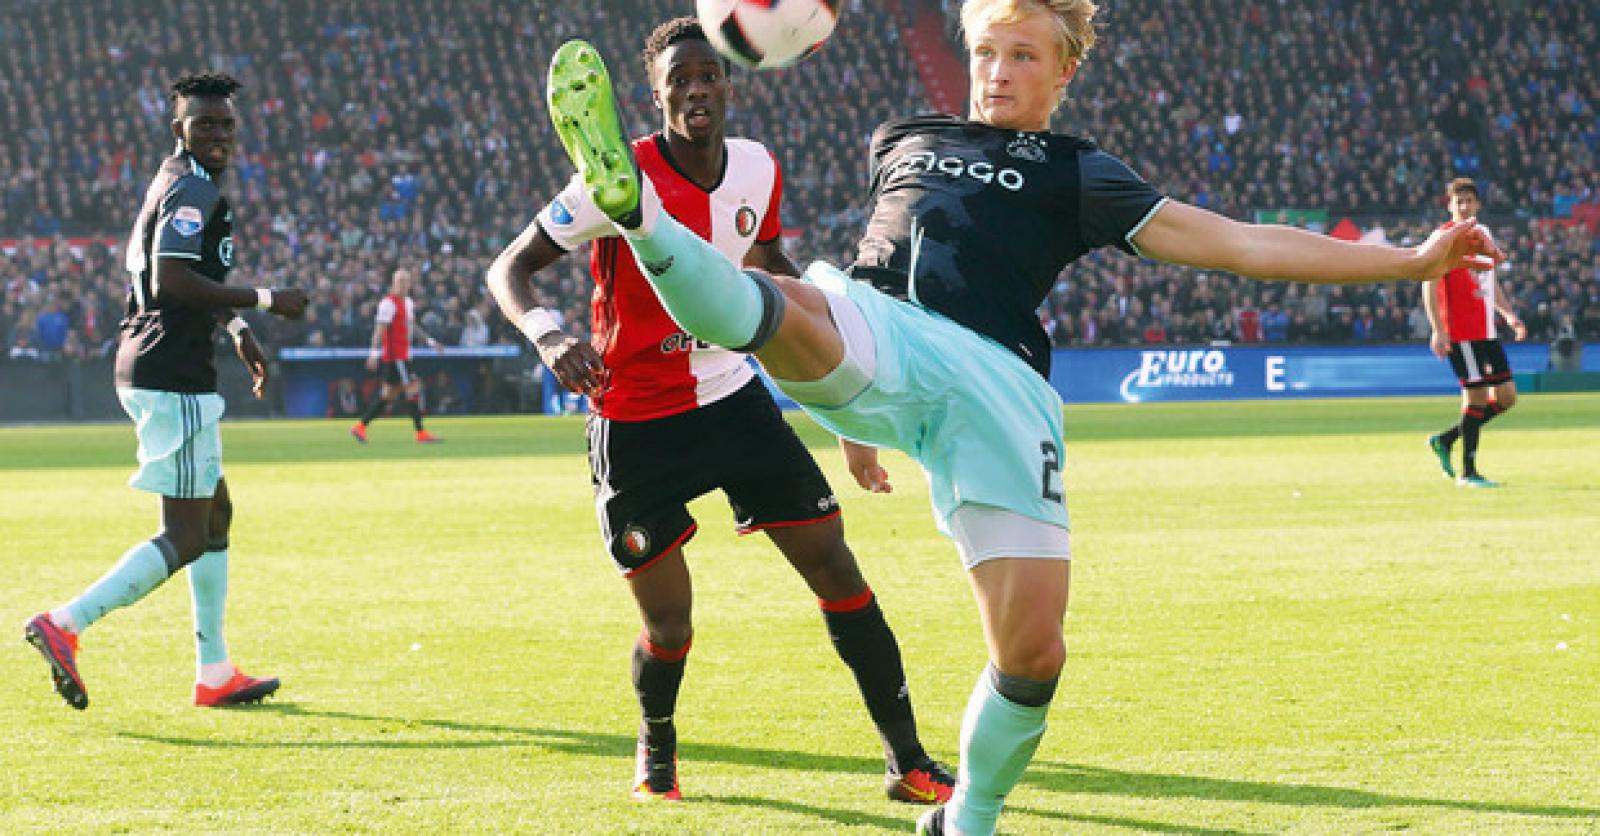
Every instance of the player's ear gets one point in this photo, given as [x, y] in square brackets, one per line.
[177, 130]
[1067, 73]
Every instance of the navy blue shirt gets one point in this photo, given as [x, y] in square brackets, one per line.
[976, 222]
[165, 345]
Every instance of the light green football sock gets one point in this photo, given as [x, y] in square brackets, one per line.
[998, 739]
[705, 292]
[141, 569]
[208, 589]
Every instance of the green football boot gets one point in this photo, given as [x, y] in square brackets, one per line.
[584, 110]
[1477, 481]
[1441, 450]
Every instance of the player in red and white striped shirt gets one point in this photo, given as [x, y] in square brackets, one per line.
[675, 418]
[1461, 308]
[391, 357]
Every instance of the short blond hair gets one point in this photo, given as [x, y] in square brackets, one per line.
[1074, 20]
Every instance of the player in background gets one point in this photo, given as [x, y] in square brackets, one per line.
[178, 259]
[1461, 308]
[675, 418]
[391, 352]
[931, 344]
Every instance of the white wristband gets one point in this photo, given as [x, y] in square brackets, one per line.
[537, 322]
[236, 326]
[264, 298]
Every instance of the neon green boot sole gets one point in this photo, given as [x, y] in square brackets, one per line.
[584, 111]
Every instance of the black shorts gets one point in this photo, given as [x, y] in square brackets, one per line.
[395, 372]
[646, 472]
[1480, 363]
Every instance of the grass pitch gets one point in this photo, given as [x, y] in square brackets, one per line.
[1283, 620]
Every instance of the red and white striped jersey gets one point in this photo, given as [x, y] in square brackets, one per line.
[1466, 301]
[397, 312]
[653, 368]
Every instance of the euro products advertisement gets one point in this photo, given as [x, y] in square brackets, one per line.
[1228, 373]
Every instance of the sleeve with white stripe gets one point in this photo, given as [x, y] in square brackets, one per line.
[571, 219]
[185, 210]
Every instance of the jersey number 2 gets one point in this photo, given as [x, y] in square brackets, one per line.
[1052, 470]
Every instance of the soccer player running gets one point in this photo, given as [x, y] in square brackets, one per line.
[391, 356]
[178, 258]
[931, 344]
[675, 418]
[1461, 308]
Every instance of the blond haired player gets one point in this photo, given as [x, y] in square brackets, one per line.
[929, 343]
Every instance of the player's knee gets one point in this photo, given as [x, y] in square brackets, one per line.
[1037, 655]
[763, 313]
[840, 571]
[221, 522]
[187, 543]
[668, 631]
[821, 556]
[1506, 399]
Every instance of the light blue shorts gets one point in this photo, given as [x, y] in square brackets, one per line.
[985, 427]
[180, 444]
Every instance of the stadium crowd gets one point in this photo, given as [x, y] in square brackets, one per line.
[385, 133]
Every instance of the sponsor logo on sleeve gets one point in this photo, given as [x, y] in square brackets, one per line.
[560, 213]
[187, 221]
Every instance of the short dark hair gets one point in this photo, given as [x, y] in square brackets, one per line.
[203, 85]
[674, 31]
[1463, 185]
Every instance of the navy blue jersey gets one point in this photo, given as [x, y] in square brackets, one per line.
[976, 222]
[166, 345]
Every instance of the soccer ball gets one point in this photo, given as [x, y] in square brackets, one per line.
[767, 34]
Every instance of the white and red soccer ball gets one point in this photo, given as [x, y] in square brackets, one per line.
[767, 34]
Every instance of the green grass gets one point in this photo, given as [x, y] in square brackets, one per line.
[1283, 620]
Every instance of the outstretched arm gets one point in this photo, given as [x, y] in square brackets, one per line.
[426, 337]
[174, 280]
[1184, 234]
[575, 363]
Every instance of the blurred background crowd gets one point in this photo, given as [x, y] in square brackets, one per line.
[378, 134]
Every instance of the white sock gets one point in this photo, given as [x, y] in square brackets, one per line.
[63, 619]
[214, 674]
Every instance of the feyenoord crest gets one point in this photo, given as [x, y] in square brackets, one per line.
[636, 540]
[745, 221]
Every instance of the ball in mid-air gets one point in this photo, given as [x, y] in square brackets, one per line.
[767, 34]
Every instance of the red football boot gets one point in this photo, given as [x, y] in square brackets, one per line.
[239, 690]
[655, 776]
[60, 649]
[928, 783]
